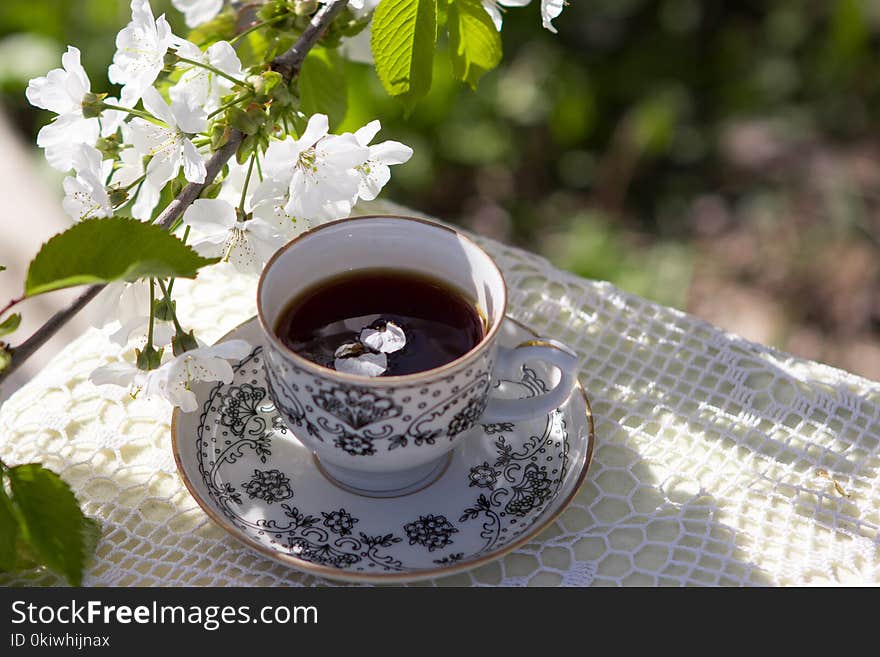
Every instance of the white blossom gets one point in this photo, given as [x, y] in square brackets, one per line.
[62, 91]
[129, 169]
[111, 120]
[493, 8]
[358, 7]
[351, 358]
[550, 9]
[85, 195]
[217, 232]
[122, 311]
[201, 87]
[169, 147]
[173, 380]
[233, 183]
[196, 12]
[368, 355]
[270, 200]
[120, 302]
[323, 184]
[374, 172]
[140, 52]
[387, 340]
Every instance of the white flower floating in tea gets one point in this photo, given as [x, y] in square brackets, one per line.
[388, 339]
[368, 356]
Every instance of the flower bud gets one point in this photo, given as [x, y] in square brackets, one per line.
[5, 356]
[110, 147]
[163, 310]
[92, 104]
[219, 135]
[183, 342]
[212, 190]
[170, 60]
[304, 7]
[248, 121]
[149, 358]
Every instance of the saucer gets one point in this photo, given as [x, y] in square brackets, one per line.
[501, 486]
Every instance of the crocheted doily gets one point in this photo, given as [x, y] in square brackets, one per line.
[717, 461]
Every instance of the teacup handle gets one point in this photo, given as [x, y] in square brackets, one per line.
[508, 363]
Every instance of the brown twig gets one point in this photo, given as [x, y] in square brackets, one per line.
[9, 306]
[288, 64]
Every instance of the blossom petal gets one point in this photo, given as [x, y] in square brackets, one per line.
[235, 349]
[211, 217]
[265, 238]
[118, 374]
[387, 340]
[196, 12]
[318, 127]
[222, 56]
[61, 138]
[280, 159]
[367, 364]
[550, 9]
[156, 105]
[341, 152]
[62, 89]
[191, 120]
[194, 168]
[147, 199]
[391, 152]
[366, 134]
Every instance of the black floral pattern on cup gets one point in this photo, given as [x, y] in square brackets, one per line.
[355, 444]
[467, 417]
[433, 532]
[269, 486]
[339, 522]
[384, 419]
[357, 407]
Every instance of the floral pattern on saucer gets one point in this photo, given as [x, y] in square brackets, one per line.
[245, 466]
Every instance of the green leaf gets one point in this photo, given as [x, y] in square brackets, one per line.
[10, 324]
[474, 43]
[322, 87]
[104, 250]
[52, 522]
[404, 35]
[8, 532]
[91, 534]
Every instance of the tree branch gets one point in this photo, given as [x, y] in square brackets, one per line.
[288, 64]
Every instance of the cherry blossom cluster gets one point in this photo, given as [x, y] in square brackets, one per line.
[122, 152]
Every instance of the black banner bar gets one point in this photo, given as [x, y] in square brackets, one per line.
[127, 621]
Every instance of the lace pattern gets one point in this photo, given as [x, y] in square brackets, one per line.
[718, 461]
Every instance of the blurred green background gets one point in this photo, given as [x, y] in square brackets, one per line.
[720, 157]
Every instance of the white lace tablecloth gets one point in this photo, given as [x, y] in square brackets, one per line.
[718, 461]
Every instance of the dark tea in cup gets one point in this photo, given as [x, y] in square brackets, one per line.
[381, 322]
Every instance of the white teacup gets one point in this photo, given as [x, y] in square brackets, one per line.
[385, 436]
